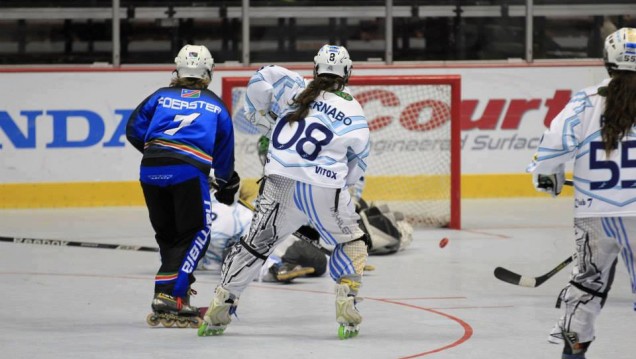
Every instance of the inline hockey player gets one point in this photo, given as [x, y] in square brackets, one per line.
[317, 150]
[596, 130]
[289, 261]
[179, 129]
[270, 92]
[295, 257]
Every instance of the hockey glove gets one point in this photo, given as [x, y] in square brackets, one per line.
[263, 121]
[228, 194]
[549, 183]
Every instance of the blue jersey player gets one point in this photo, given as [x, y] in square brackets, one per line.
[184, 132]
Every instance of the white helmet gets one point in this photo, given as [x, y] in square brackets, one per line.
[620, 50]
[333, 60]
[194, 61]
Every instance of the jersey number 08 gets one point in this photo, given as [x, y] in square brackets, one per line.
[300, 141]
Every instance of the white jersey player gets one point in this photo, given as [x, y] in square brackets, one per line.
[229, 223]
[270, 92]
[596, 130]
[388, 231]
[315, 152]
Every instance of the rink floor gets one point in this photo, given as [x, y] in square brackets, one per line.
[66, 302]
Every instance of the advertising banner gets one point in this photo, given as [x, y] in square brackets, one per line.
[69, 127]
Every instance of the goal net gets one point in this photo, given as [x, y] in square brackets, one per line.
[414, 162]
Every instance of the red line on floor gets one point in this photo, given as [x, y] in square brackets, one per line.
[468, 330]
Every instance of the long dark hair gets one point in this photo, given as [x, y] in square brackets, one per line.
[620, 108]
[324, 82]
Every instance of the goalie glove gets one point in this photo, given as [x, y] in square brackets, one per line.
[549, 183]
[228, 194]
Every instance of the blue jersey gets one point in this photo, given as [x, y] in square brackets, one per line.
[193, 126]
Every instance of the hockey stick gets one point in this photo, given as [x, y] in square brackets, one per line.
[65, 243]
[528, 281]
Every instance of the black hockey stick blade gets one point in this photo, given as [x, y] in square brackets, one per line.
[65, 243]
[313, 243]
[511, 277]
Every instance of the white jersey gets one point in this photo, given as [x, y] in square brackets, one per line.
[229, 224]
[271, 89]
[328, 148]
[604, 187]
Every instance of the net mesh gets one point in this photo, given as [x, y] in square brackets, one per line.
[409, 165]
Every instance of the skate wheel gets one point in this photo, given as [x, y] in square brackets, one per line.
[167, 322]
[183, 323]
[196, 322]
[206, 331]
[345, 332]
[152, 320]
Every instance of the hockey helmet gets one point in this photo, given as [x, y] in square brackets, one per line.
[194, 61]
[619, 53]
[333, 60]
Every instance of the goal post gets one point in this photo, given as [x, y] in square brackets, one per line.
[414, 165]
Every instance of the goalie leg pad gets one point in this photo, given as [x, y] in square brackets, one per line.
[303, 253]
[386, 232]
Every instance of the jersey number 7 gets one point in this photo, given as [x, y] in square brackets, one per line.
[184, 120]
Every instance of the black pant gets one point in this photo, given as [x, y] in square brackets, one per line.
[177, 215]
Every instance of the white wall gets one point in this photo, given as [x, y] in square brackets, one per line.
[69, 126]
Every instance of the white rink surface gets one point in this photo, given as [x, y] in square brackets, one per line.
[67, 302]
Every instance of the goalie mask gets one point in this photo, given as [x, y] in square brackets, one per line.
[619, 53]
[333, 60]
[389, 231]
[194, 61]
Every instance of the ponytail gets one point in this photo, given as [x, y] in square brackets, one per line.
[620, 109]
[309, 95]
